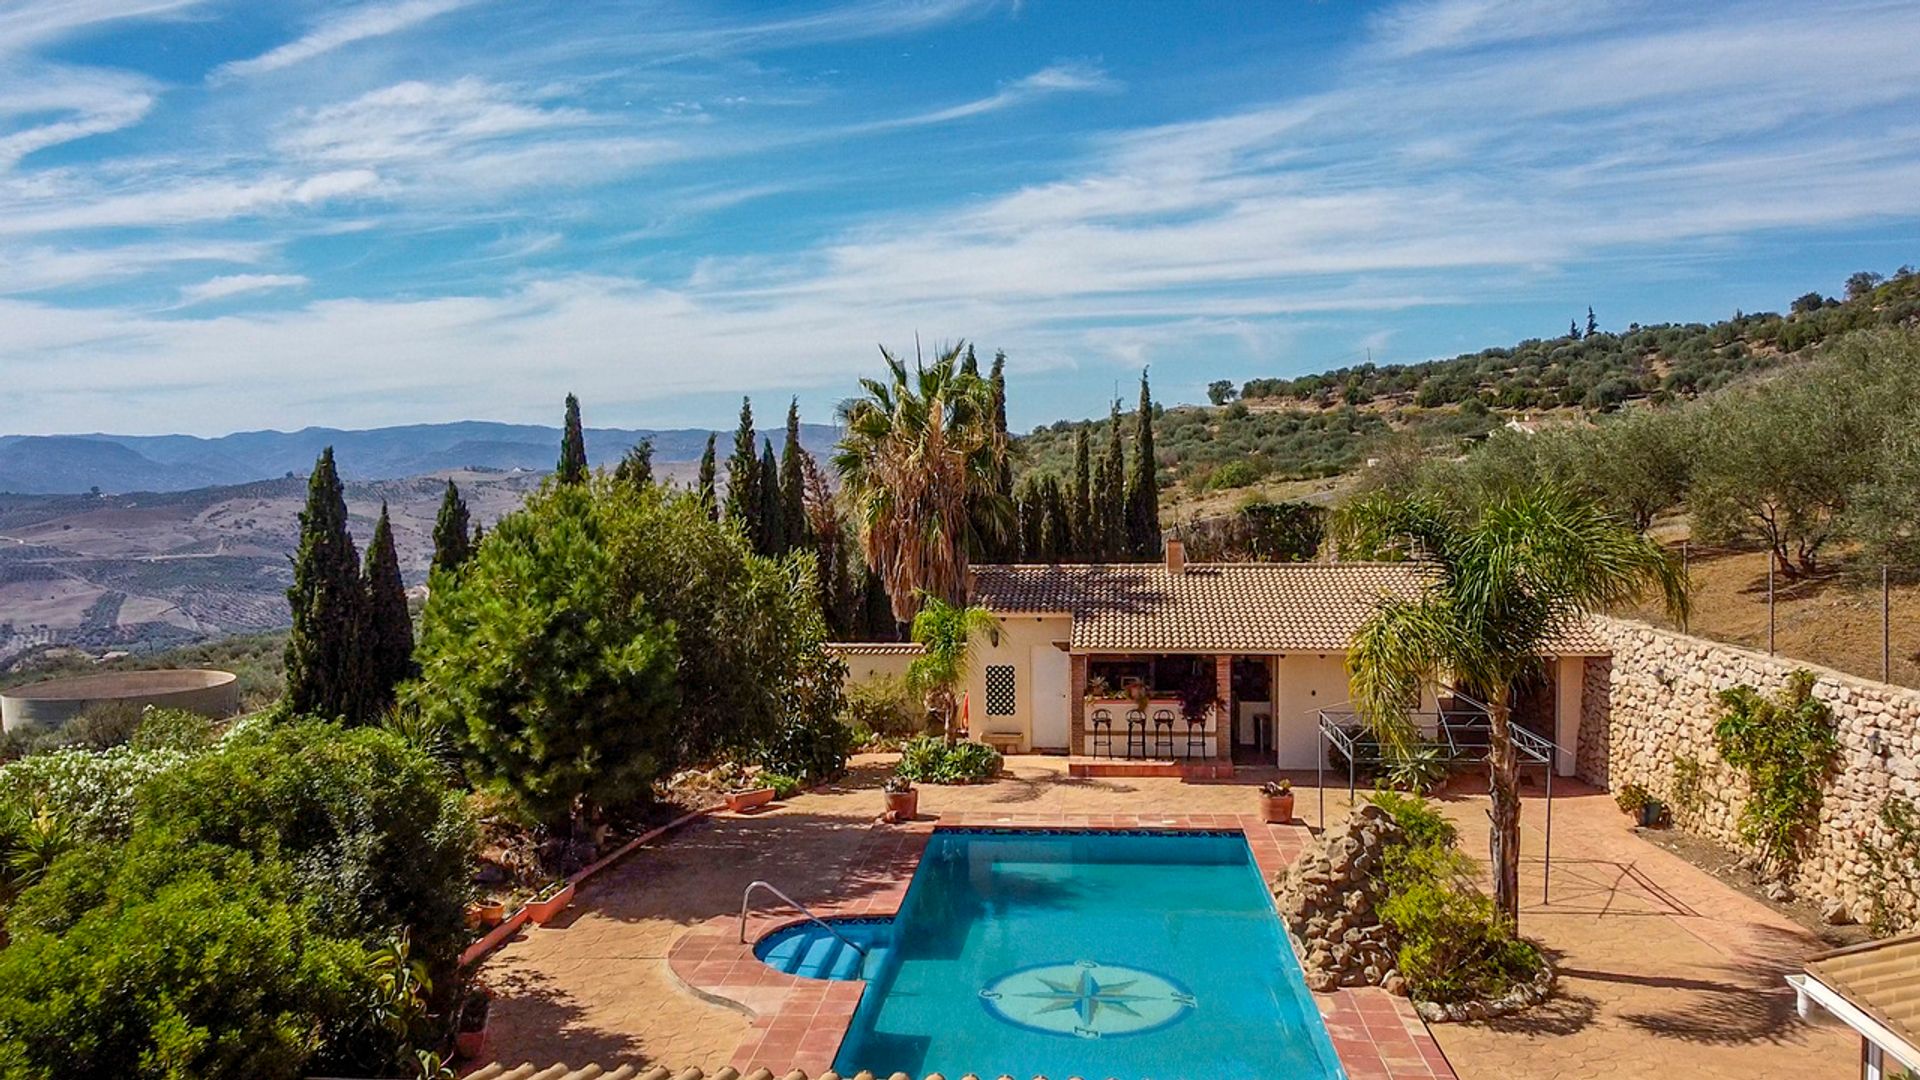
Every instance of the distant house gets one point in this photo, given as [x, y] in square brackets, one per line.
[1875, 990]
[1268, 640]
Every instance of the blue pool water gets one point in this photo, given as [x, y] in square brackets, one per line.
[1128, 955]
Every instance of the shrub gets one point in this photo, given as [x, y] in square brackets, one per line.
[1632, 799]
[784, 786]
[932, 760]
[1416, 769]
[885, 706]
[93, 789]
[1785, 746]
[815, 748]
[173, 729]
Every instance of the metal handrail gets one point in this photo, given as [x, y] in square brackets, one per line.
[746, 897]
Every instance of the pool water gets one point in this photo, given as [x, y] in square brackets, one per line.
[1132, 955]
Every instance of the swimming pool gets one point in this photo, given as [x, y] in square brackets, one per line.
[1063, 953]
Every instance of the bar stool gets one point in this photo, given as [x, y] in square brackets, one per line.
[1102, 732]
[1163, 732]
[1136, 731]
[1196, 736]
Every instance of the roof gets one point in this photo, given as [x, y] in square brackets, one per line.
[1881, 979]
[1216, 607]
[875, 648]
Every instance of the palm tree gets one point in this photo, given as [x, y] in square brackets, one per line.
[945, 633]
[919, 461]
[1506, 581]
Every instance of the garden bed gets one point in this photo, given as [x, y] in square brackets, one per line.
[1725, 864]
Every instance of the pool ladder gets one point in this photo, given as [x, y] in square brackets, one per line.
[746, 898]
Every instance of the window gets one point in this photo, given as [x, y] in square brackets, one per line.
[1000, 695]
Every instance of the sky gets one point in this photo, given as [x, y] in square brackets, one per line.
[221, 215]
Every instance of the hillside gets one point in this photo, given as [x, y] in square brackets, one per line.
[1307, 436]
[57, 464]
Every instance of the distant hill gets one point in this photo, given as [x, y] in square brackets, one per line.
[67, 464]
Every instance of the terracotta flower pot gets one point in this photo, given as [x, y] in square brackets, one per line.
[492, 913]
[903, 805]
[546, 909]
[740, 801]
[470, 1041]
[1277, 809]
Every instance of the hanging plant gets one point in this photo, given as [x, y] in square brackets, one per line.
[1785, 746]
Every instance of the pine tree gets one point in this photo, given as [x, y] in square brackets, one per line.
[322, 652]
[1573, 328]
[1593, 325]
[1143, 491]
[450, 543]
[636, 468]
[772, 515]
[386, 640]
[573, 447]
[743, 488]
[1112, 494]
[708, 468]
[793, 484]
[1080, 499]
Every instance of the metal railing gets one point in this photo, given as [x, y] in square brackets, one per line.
[746, 897]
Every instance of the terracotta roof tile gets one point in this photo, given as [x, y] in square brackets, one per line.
[1215, 607]
[1881, 979]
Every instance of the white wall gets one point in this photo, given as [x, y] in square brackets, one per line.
[1019, 636]
[1308, 683]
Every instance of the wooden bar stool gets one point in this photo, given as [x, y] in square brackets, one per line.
[1136, 732]
[1102, 732]
[1163, 733]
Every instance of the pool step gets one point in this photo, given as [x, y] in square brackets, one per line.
[814, 953]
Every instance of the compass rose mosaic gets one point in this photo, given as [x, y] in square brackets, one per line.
[1087, 999]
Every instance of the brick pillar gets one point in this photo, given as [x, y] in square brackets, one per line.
[1077, 706]
[1222, 698]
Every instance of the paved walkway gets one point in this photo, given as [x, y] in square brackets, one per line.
[1665, 970]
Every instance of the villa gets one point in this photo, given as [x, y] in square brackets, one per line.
[1076, 642]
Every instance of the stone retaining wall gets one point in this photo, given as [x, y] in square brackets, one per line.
[1654, 703]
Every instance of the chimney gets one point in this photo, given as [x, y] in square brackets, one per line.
[1176, 557]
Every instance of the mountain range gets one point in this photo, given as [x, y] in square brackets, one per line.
[68, 464]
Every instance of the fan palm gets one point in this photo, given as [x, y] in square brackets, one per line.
[946, 633]
[919, 462]
[1506, 582]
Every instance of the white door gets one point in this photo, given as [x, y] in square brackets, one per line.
[1052, 670]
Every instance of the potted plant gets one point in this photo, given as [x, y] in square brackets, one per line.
[550, 901]
[1276, 801]
[903, 799]
[470, 1037]
[751, 798]
[486, 914]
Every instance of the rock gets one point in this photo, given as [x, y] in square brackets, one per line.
[1779, 892]
[1835, 913]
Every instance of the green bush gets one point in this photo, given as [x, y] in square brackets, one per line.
[784, 786]
[885, 706]
[174, 729]
[816, 748]
[1785, 746]
[1452, 944]
[932, 760]
[93, 789]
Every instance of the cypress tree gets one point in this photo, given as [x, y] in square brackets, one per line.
[1113, 512]
[1030, 511]
[773, 517]
[1097, 516]
[1593, 324]
[1056, 528]
[793, 484]
[970, 364]
[1080, 499]
[636, 468]
[1143, 489]
[998, 381]
[1573, 328]
[387, 641]
[708, 468]
[322, 652]
[743, 488]
[573, 447]
[450, 543]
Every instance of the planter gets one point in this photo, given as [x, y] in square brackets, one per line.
[470, 1041]
[486, 915]
[1277, 809]
[546, 908]
[1652, 813]
[903, 805]
[741, 801]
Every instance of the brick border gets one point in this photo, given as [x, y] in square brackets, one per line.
[799, 1023]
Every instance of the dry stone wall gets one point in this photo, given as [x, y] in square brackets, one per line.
[1651, 709]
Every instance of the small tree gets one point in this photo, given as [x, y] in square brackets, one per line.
[572, 468]
[743, 478]
[1113, 493]
[387, 639]
[1080, 500]
[793, 484]
[322, 654]
[946, 633]
[451, 540]
[1593, 324]
[772, 516]
[1221, 391]
[636, 467]
[708, 471]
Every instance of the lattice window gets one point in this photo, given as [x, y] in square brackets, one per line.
[1000, 692]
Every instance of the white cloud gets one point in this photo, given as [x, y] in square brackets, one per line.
[229, 285]
[357, 24]
[416, 120]
[27, 23]
[1060, 78]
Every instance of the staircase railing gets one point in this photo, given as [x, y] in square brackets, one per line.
[746, 898]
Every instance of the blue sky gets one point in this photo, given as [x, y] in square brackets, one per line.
[220, 215]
